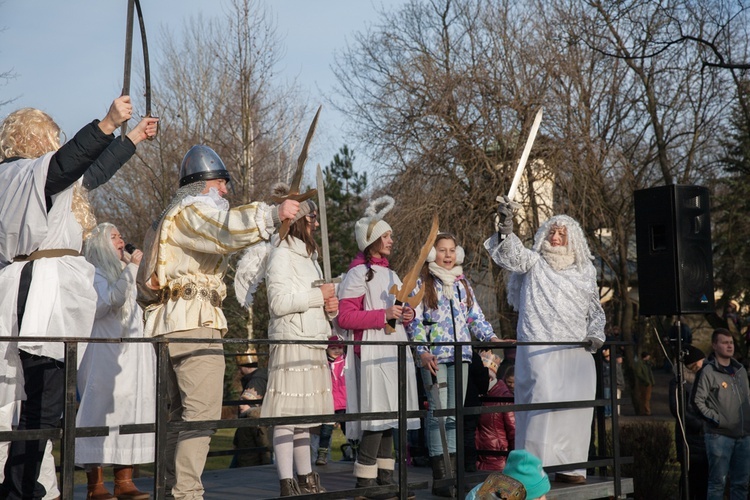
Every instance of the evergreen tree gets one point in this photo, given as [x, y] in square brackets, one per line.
[344, 189]
[732, 206]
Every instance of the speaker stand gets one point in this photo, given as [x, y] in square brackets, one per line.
[684, 466]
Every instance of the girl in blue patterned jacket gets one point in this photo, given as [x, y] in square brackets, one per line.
[448, 313]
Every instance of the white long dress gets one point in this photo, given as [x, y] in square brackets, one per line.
[61, 299]
[375, 388]
[554, 306]
[116, 381]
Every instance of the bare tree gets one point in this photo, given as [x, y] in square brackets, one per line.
[444, 93]
[216, 86]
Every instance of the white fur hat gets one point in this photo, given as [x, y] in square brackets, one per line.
[369, 228]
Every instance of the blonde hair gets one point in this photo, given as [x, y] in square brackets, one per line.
[28, 133]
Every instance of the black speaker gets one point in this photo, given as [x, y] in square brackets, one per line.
[673, 241]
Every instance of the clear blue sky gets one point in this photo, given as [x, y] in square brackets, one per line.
[68, 55]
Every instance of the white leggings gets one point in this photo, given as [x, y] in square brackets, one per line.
[291, 445]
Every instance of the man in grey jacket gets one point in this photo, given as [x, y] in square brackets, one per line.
[722, 396]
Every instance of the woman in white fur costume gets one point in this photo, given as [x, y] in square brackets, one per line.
[553, 288]
[116, 381]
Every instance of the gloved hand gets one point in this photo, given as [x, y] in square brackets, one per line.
[504, 216]
[596, 344]
[305, 208]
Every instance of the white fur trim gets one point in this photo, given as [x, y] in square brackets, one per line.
[365, 471]
[369, 228]
[386, 463]
[212, 198]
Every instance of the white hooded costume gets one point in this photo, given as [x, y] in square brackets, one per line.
[557, 300]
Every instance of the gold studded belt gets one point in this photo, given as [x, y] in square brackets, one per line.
[190, 291]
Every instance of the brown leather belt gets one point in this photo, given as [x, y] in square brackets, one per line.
[46, 254]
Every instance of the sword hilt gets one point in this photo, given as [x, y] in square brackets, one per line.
[318, 283]
[390, 326]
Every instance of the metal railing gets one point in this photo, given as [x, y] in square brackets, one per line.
[68, 430]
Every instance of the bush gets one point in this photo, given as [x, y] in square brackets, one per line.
[653, 469]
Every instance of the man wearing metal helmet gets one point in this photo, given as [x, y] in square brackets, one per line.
[181, 280]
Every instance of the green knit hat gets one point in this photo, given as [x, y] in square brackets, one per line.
[527, 469]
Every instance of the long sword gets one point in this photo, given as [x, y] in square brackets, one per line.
[524, 156]
[323, 219]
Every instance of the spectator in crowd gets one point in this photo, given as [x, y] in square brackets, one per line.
[523, 478]
[722, 396]
[336, 353]
[254, 383]
[366, 308]
[606, 380]
[644, 383]
[46, 286]
[690, 431]
[449, 312]
[477, 386]
[553, 287]
[509, 359]
[181, 281]
[496, 432]
[116, 381]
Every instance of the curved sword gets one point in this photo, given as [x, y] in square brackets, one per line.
[135, 6]
[294, 193]
[410, 280]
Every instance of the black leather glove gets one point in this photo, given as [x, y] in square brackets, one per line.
[596, 344]
[504, 217]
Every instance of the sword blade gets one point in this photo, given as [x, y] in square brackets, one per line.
[323, 225]
[128, 58]
[146, 65]
[525, 155]
[297, 179]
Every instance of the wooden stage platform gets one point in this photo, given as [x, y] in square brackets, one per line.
[262, 483]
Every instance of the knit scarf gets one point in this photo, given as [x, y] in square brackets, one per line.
[559, 258]
[447, 277]
[361, 259]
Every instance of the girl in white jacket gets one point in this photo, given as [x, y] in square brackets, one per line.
[299, 381]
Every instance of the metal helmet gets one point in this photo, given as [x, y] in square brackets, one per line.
[201, 163]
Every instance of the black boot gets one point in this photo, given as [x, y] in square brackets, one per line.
[439, 472]
[385, 477]
[367, 477]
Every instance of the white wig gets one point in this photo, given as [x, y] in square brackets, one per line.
[576, 242]
[101, 253]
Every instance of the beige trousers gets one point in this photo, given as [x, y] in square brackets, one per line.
[196, 387]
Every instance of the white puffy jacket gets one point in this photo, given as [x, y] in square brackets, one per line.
[295, 306]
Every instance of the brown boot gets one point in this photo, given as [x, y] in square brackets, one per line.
[95, 488]
[310, 483]
[288, 487]
[124, 487]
